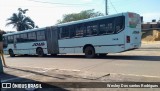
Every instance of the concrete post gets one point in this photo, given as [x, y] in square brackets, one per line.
[1, 66]
[1, 48]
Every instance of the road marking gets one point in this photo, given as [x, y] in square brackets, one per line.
[49, 68]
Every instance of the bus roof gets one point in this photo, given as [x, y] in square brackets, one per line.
[70, 23]
[90, 19]
[25, 31]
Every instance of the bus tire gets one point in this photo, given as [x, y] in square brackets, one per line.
[89, 52]
[11, 53]
[40, 52]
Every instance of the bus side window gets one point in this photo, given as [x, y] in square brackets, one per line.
[17, 38]
[10, 39]
[40, 35]
[110, 26]
[65, 32]
[119, 23]
[89, 31]
[94, 29]
[72, 32]
[32, 36]
[79, 31]
[102, 29]
[84, 30]
[60, 31]
[23, 38]
[5, 42]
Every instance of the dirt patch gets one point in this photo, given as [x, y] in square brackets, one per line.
[151, 35]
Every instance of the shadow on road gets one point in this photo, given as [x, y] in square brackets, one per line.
[120, 57]
[129, 57]
[9, 78]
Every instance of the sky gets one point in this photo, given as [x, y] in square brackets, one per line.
[46, 14]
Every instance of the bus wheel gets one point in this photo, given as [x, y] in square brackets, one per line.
[11, 53]
[89, 52]
[40, 52]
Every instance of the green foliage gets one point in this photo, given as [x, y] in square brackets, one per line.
[1, 33]
[20, 21]
[79, 16]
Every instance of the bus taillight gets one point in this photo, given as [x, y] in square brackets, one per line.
[128, 39]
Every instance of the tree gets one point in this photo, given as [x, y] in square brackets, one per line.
[20, 21]
[2, 32]
[79, 16]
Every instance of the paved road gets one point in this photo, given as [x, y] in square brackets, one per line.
[138, 62]
[152, 45]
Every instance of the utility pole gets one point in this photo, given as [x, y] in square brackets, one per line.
[106, 7]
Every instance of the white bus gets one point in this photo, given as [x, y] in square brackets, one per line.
[95, 36]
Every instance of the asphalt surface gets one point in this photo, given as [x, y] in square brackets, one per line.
[140, 65]
[141, 62]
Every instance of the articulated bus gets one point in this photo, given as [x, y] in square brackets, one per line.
[95, 36]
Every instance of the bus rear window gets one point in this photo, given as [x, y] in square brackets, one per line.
[134, 20]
